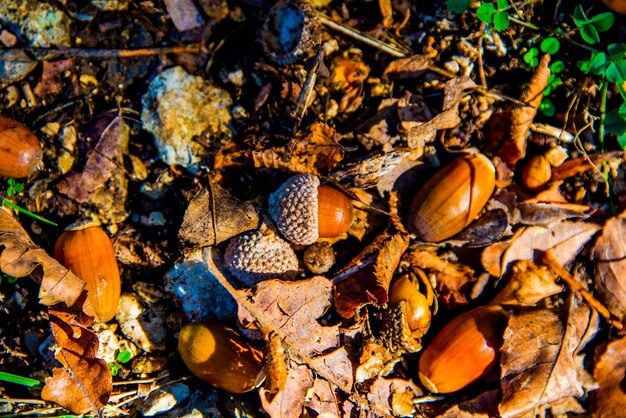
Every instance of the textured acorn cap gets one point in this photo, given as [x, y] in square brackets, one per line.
[294, 209]
[260, 254]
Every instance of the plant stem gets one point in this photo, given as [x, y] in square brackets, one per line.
[27, 212]
[523, 23]
[20, 380]
[603, 94]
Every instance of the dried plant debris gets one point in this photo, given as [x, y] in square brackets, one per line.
[528, 285]
[609, 399]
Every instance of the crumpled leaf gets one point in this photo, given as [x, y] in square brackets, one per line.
[84, 383]
[395, 394]
[103, 181]
[609, 257]
[51, 74]
[449, 118]
[452, 279]
[609, 400]
[404, 68]
[21, 257]
[289, 402]
[540, 366]
[483, 406]
[529, 283]
[347, 76]
[366, 279]
[214, 215]
[564, 239]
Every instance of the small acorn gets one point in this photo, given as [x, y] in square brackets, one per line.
[536, 172]
[221, 357]
[416, 307]
[618, 6]
[305, 211]
[258, 255]
[87, 251]
[464, 351]
[20, 150]
[452, 198]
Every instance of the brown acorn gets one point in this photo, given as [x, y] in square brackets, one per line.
[452, 198]
[464, 351]
[221, 357]
[618, 6]
[536, 172]
[20, 150]
[416, 306]
[305, 211]
[87, 251]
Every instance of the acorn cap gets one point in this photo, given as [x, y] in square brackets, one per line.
[293, 207]
[260, 254]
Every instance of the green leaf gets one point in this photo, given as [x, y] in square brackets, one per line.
[457, 6]
[11, 182]
[590, 34]
[12, 279]
[20, 380]
[580, 18]
[11, 191]
[115, 368]
[502, 4]
[485, 12]
[19, 187]
[615, 123]
[603, 21]
[622, 141]
[598, 62]
[124, 356]
[616, 72]
[550, 45]
[616, 51]
[530, 57]
[501, 21]
[557, 67]
[547, 107]
[584, 66]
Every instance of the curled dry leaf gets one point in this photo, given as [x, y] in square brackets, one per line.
[449, 118]
[366, 279]
[609, 400]
[21, 257]
[289, 402]
[214, 215]
[84, 383]
[541, 368]
[483, 406]
[529, 283]
[347, 76]
[411, 67]
[609, 257]
[395, 394]
[563, 239]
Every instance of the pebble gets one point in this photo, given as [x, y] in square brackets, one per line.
[202, 403]
[178, 107]
[164, 399]
[145, 325]
[14, 66]
[197, 290]
[111, 5]
[41, 24]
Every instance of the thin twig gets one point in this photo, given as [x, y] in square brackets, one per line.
[117, 53]
[22, 400]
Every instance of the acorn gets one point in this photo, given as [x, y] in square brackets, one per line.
[464, 351]
[221, 357]
[618, 6]
[20, 150]
[258, 255]
[88, 252]
[415, 305]
[305, 211]
[536, 172]
[452, 198]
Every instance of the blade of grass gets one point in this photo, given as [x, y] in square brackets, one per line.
[19, 380]
[27, 212]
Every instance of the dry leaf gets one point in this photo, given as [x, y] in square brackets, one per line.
[529, 283]
[403, 68]
[609, 256]
[275, 364]
[347, 76]
[549, 213]
[214, 215]
[184, 14]
[564, 239]
[579, 165]
[609, 400]
[452, 279]
[84, 383]
[395, 394]
[387, 12]
[366, 279]
[449, 117]
[51, 74]
[21, 257]
[290, 401]
[540, 367]
[483, 406]
[368, 171]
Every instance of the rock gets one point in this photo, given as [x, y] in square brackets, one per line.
[41, 24]
[201, 296]
[202, 404]
[144, 325]
[179, 106]
[164, 399]
[111, 5]
[148, 364]
[14, 66]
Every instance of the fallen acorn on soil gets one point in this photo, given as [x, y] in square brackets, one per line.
[464, 351]
[452, 198]
[304, 210]
[87, 251]
[221, 357]
[20, 150]
[536, 172]
[415, 304]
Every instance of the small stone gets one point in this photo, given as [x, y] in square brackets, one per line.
[7, 38]
[164, 399]
[14, 66]
[144, 325]
[40, 23]
[108, 346]
[178, 107]
[148, 364]
[111, 5]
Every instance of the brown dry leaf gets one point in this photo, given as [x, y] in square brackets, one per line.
[541, 368]
[403, 68]
[387, 12]
[214, 215]
[449, 117]
[452, 279]
[483, 406]
[103, 181]
[275, 364]
[564, 239]
[609, 400]
[21, 257]
[549, 213]
[609, 257]
[580, 165]
[290, 401]
[366, 279]
[51, 74]
[375, 360]
[529, 283]
[347, 76]
[84, 383]
[395, 394]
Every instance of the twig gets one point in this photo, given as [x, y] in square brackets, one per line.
[21, 400]
[481, 69]
[117, 53]
[548, 259]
